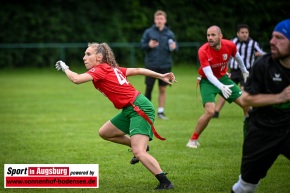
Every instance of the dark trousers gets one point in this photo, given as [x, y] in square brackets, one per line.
[260, 150]
[149, 81]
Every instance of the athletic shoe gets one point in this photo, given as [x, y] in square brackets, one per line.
[164, 186]
[162, 116]
[216, 114]
[134, 160]
[192, 144]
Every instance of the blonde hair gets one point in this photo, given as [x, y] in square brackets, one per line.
[160, 12]
[106, 51]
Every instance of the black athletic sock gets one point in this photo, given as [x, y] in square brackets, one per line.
[162, 178]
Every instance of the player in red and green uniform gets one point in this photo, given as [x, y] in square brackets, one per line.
[111, 80]
[113, 83]
[214, 56]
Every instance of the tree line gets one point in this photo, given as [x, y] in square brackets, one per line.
[75, 21]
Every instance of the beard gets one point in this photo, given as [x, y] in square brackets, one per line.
[214, 44]
[280, 55]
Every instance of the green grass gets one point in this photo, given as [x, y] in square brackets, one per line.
[45, 119]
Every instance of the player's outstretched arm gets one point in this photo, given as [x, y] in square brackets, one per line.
[167, 77]
[72, 76]
[259, 100]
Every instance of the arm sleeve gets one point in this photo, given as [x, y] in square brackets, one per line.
[145, 40]
[96, 73]
[123, 70]
[173, 37]
[203, 58]
[240, 62]
[258, 48]
[208, 73]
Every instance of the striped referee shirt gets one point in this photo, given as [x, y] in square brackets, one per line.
[247, 51]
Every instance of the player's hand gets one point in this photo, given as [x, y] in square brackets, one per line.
[245, 75]
[172, 46]
[258, 54]
[61, 65]
[226, 90]
[169, 78]
[153, 43]
[285, 94]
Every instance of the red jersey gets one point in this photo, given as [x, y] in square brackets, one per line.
[113, 83]
[216, 59]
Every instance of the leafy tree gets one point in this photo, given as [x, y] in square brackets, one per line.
[74, 21]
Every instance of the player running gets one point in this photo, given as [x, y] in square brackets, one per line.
[111, 80]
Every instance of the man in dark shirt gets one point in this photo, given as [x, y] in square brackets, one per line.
[267, 90]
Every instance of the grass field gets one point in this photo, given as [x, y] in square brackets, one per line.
[45, 119]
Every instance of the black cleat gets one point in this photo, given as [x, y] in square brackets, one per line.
[164, 186]
[134, 160]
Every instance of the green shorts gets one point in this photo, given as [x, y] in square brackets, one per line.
[209, 91]
[131, 122]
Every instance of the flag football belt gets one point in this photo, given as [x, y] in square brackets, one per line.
[197, 84]
[142, 114]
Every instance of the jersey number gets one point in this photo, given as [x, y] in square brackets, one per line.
[120, 77]
[222, 68]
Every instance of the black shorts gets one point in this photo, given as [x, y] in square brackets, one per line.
[149, 81]
[237, 77]
[260, 150]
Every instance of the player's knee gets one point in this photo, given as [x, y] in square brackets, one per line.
[139, 154]
[103, 134]
[243, 187]
[210, 112]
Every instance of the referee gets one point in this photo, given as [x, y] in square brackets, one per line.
[249, 49]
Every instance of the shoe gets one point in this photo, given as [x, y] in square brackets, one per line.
[162, 116]
[192, 144]
[164, 186]
[216, 114]
[134, 160]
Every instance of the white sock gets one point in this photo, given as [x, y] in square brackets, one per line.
[243, 187]
[160, 109]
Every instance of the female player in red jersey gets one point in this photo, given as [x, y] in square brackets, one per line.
[137, 115]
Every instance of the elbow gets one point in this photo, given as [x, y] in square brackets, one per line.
[76, 81]
[75, 78]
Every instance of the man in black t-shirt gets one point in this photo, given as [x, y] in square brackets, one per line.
[267, 90]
